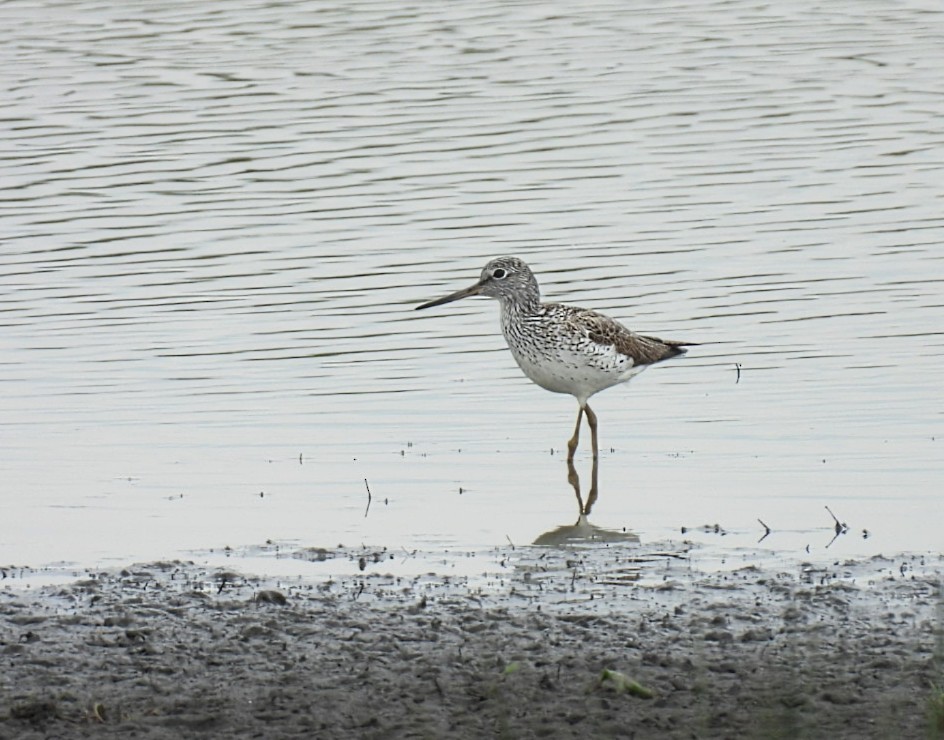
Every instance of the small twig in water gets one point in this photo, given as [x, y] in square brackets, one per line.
[368, 498]
[839, 528]
[766, 530]
[737, 366]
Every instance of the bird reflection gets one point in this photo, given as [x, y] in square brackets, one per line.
[584, 508]
[583, 531]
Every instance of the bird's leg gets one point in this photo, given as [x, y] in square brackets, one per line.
[592, 421]
[572, 444]
[592, 496]
[574, 481]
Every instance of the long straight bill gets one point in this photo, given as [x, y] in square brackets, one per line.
[464, 293]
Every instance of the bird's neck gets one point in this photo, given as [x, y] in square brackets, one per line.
[521, 307]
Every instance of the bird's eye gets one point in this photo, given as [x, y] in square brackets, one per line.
[499, 274]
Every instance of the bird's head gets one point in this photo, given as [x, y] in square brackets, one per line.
[504, 278]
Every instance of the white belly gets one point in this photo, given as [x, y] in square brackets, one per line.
[577, 373]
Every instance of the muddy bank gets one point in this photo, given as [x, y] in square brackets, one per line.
[171, 650]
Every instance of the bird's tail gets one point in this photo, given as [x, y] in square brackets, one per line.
[671, 347]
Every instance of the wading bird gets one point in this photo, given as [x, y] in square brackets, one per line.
[564, 349]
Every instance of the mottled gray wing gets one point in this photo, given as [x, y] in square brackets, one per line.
[605, 331]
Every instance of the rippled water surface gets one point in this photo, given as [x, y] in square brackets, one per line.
[216, 219]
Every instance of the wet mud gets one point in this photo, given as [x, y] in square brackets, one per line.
[553, 643]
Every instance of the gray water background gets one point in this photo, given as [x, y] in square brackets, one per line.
[217, 217]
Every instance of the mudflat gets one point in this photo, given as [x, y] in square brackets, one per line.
[591, 643]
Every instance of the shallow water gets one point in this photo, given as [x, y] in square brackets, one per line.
[217, 219]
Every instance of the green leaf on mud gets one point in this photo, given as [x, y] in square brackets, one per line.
[623, 684]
